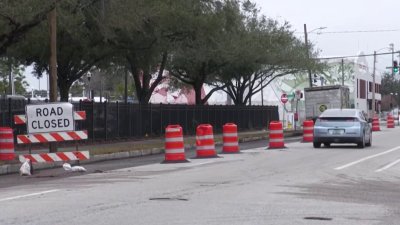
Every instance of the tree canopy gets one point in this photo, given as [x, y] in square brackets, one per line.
[227, 44]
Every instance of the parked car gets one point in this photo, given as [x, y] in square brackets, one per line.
[342, 126]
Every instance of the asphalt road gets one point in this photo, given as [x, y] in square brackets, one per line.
[295, 185]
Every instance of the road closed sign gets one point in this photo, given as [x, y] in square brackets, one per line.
[52, 117]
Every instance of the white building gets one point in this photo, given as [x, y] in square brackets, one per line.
[357, 75]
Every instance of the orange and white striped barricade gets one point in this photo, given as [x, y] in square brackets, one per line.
[6, 144]
[55, 157]
[375, 124]
[230, 138]
[52, 122]
[308, 131]
[276, 135]
[205, 147]
[389, 121]
[174, 146]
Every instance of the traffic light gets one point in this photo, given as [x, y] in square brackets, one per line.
[315, 78]
[395, 67]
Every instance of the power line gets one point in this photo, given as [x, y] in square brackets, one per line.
[353, 31]
[358, 31]
[355, 56]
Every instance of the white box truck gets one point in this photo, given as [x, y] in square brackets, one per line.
[318, 99]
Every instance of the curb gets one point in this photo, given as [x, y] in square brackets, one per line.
[14, 168]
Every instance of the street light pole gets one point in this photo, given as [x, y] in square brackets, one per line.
[373, 86]
[308, 52]
[308, 55]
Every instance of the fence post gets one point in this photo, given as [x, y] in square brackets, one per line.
[161, 118]
[151, 119]
[105, 120]
[9, 113]
[186, 119]
[117, 104]
[130, 119]
[93, 120]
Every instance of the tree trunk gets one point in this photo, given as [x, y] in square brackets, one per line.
[64, 91]
[197, 90]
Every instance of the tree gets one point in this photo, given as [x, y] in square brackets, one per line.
[262, 51]
[199, 58]
[144, 32]
[79, 46]
[7, 67]
[389, 84]
[17, 17]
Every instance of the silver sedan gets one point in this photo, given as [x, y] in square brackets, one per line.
[342, 126]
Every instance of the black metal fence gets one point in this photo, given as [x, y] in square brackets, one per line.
[113, 121]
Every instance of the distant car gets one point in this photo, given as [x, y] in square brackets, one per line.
[342, 126]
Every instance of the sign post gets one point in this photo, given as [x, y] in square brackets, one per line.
[298, 97]
[284, 99]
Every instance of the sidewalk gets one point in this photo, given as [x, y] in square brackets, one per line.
[128, 149]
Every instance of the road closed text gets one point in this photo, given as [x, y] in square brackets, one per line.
[50, 118]
[54, 123]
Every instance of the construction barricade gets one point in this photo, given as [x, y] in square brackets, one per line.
[389, 121]
[375, 124]
[6, 144]
[276, 135]
[230, 138]
[205, 147]
[308, 131]
[174, 146]
[53, 122]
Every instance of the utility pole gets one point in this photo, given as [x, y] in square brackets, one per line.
[53, 54]
[53, 62]
[373, 86]
[308, 55]
[392, 48]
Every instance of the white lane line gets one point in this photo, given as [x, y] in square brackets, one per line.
[28, 195]
[366, 158]
[388, 166]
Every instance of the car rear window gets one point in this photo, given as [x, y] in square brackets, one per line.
[341, 119]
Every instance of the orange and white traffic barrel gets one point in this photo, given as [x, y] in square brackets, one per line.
[308, 131]
[230, 138]
[205, 147]
[276, 135]
[375, 124]
[174, 146]
[390, 121]
[6, 144]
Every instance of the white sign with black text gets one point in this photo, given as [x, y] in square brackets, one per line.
[51, 117]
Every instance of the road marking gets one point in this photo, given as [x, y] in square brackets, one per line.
[28, 195]
[366, 158]
[388, 166]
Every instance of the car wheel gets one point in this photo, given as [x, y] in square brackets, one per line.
[370, 141]
[361, 144]
[327, 144]
[317, 144]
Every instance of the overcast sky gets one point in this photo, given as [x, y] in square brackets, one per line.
[352, 26]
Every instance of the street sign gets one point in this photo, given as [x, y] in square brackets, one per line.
[49, 118]
[290, 96]
[284, 98]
